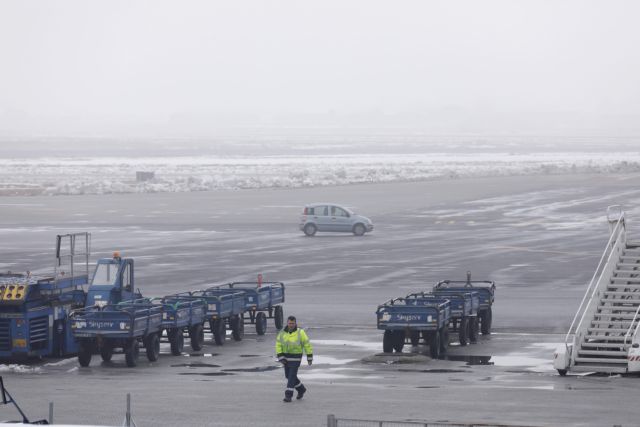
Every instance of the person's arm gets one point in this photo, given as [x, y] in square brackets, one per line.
[308, 348]
[279, 350]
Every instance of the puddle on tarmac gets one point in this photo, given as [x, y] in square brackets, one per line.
[200, 354]
[207, 374]
[256, 369]
[428, 386]
[433, 371]
[470, 360]
[195, 365]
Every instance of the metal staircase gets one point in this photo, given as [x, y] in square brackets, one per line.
[605, 339]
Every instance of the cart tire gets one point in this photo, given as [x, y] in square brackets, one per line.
[434, 345]
[176, 339]
[261, 323]
[85, 349]
[196, 336]
[562, 372]
[219, 331]
[398, 341]
[310, 230]
[237, 327]
[486, 321]
[444, 339]
[414, 336]
[359, 230]
[278, 317]
[106, 352]
[152, 346]
[132, 352]
[473, 330]
[463, 331]
[387, 341]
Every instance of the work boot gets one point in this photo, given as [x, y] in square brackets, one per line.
[287, 399]
[301, 391]
[287, 396]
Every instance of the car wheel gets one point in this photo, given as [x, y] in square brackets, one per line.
[358, 229]
[310, 229]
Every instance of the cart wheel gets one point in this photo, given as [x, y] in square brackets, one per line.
[219, 331]
[444, 339]
[387, 341]
[279, 317]
[176, 338]
[473, 330]
[152, 346]
[261, 323]
[85, 349]
[434, 345]
[463, 331]
[398, 341]
[486, 318]
[237, 327]
[196, 336]
[562, 372]
[414, 336]
[131, 352]
[106, 351]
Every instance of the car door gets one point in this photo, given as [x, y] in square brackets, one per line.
[321, 218]
[339, 219]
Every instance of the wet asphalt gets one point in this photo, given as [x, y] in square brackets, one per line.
[538, 238]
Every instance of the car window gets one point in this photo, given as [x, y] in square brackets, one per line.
[317, 211]
[336, 211]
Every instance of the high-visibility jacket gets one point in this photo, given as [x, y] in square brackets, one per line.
[291, 344]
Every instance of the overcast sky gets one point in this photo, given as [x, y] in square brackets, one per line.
[191, 67]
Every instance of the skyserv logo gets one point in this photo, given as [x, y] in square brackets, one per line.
[408, 317]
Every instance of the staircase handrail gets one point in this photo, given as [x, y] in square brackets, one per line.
[627, 335]
[597, 274]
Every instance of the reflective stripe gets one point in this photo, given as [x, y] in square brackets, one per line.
[290, 389]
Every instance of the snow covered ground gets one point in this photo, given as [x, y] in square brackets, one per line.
[105, 175]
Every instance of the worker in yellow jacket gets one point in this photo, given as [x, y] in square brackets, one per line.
[290, 344]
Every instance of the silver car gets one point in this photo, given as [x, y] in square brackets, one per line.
[331, 217]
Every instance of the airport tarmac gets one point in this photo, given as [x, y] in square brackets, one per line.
[539, 238]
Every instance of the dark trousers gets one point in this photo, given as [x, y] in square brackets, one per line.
[291, 373]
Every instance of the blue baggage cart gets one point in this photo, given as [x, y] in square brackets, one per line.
[262, 301]
[180, 315]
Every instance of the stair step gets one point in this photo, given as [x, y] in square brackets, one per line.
[632, 258]
[599, 368]
[618, 353]
[621, 293]
[610, 338]
[600, 345]
[631, 280]
[613, 286]
[617, 316]
[614, 324]
[608, 304]
[618, 330]
[601, 360]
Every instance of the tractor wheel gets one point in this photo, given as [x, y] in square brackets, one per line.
[261, 323]
[132, 352]
[152, 347]
[106, 351]
[196, 336]
[237, 327]
[434, 345]
[486, 318]
[219, 331]
[463, 331]
[176, 339]
[398, 341]
[278, 317]
[444, 339]
[387, 341]
[85, 350]
[473, 330]
[414, 336]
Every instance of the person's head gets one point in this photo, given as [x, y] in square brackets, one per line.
[291, 322]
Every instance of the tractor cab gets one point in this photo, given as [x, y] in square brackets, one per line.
[112, 282]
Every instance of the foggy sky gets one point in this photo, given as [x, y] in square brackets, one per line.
[195, 67]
